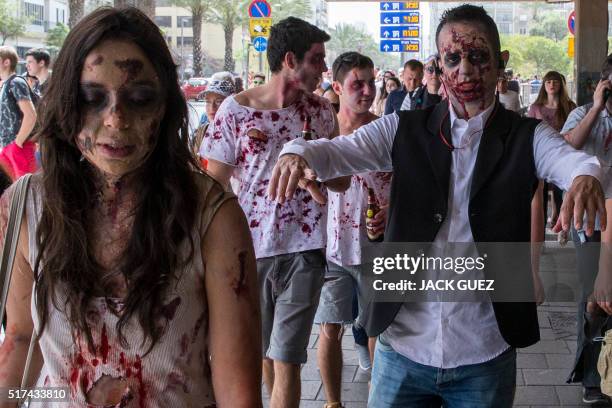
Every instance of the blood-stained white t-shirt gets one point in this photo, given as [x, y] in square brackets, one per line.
[346, 226]
[251, 139]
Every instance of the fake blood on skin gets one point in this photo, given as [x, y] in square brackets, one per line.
[472, 90]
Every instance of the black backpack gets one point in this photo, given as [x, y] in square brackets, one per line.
[34, 97]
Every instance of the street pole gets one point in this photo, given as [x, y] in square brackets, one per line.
[260, 61]
[182, 44]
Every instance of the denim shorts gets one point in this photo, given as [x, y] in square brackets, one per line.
[290, 286]
[336, 304]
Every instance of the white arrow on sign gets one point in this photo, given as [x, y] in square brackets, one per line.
[386, 6]
[386, 34]
[386, 47]
[386, 20]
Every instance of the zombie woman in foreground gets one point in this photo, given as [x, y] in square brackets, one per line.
[136, 270]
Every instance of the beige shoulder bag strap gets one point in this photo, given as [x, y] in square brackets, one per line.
[9, 251]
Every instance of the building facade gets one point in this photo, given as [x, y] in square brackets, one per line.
[511, 17]
[42, 16]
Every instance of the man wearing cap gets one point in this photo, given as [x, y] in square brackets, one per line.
[214, 94]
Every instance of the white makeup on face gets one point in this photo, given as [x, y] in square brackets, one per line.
[469, 69]
[122, 107]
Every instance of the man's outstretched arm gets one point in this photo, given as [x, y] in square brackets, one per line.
[367, 149]
[575, 172]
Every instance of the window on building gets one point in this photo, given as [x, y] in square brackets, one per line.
[21, 51]
[60, 16]
[34, 12]
[184, 21]
[186, 41]
[504, 17]
[163, 21]
[504, 28]
[523, 31]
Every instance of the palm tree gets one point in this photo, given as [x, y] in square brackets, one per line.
[198, 9]
[229, 14]
[148, 7]
[76, 9]
[282, 9]
[348, 37]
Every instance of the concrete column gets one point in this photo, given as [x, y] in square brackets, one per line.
[591, 46]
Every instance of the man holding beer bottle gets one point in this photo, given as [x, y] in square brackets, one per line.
[355, 217]
[249, 132]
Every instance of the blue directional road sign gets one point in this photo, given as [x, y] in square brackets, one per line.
[398, 5]
[398, 32]
[400, 45]
[260, 44]
[405, 17]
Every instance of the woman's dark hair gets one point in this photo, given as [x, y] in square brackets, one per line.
[292, 35]
[383, 87]
[565, 106]
[166, 198]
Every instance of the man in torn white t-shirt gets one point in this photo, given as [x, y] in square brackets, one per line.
[464, 170]
[249, 132]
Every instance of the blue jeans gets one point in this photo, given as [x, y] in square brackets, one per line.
[398, 382]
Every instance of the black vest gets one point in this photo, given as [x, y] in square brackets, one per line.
[503, 185]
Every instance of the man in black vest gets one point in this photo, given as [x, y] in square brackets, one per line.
[464, 170]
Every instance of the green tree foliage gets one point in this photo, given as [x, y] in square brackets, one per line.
[57, 35]
[282, 9]
[10, 26]
[198, 10]
[531, 55]
[355, 37]
[229, 14]
[551, 26]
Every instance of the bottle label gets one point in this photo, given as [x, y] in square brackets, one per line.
[370, 213]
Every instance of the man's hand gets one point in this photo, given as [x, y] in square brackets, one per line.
[290, 172]
[377, 224]
[599, 103]
[585, 194]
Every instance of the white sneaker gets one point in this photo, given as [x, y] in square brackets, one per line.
[364, 357]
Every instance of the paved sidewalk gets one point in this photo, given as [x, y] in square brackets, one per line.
[542, 368]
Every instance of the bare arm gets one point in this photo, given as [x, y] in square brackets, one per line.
[578, 136]
[233, 302]
[340, 184]
[28, 121]
[220, 171]
[602, 290]
[14, 349]
[537, 239]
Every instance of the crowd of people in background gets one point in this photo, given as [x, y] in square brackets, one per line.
[284, 175]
